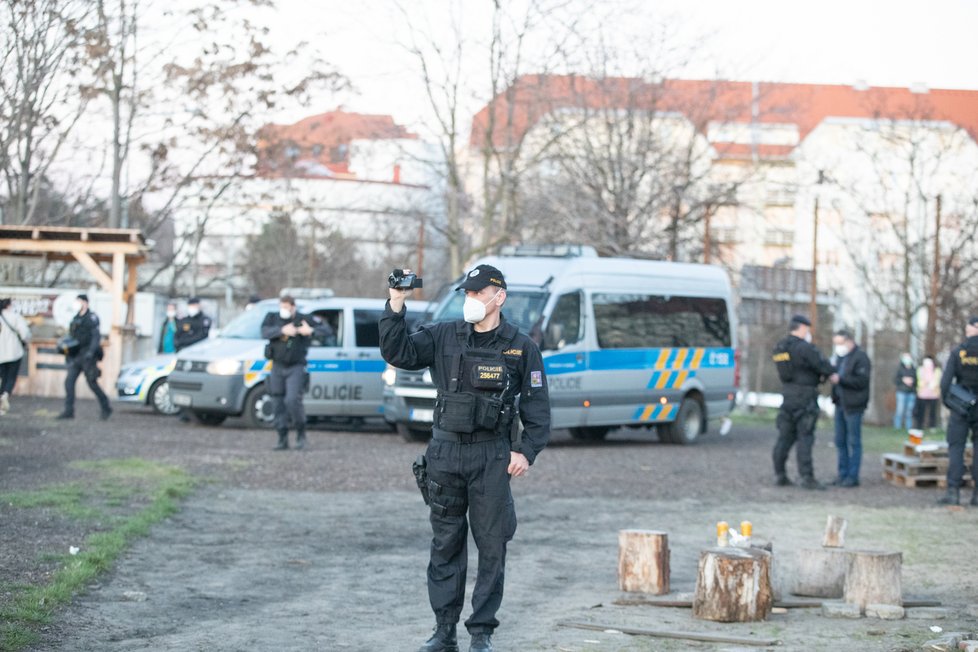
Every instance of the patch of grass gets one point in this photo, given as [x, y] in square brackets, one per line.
[67, 499]
[161, 487]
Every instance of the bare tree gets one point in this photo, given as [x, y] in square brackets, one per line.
[40, 96]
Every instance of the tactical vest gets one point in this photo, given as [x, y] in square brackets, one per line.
[783, 362]
[968, 364]
[481, 388]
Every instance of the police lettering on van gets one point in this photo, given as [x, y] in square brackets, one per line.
[625, 342]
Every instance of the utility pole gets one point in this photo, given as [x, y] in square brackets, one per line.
[420, 271]
[813, 302]
[930, 341]
[707, 236]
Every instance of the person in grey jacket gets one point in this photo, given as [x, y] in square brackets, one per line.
[14, 335]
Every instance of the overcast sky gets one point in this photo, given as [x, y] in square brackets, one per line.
[893, 43]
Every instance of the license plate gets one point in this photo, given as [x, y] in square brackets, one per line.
[422, 415]
[183, 400]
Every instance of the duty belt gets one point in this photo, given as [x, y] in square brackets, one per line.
[465, 438]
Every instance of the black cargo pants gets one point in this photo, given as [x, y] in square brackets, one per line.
[76, 366]
[286, 383]
[469, 485]
[958, 428]
[796, 425]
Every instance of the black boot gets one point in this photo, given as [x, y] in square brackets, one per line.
[812, 484]
[782, 480]
[66, 415]
[952, 497]
[300, 439]
[443, 640]
[481, 642]
[283, 440]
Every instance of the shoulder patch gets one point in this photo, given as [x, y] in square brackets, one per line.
[93, 317]
[516, 352]
[536, 379]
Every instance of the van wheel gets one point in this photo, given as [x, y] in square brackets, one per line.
[259, 409]
[159, 398]
[688, 424]
[590, 433]
[413, 434]
[208, 418]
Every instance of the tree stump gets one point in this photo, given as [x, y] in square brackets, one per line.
[643, 561]
[835, 532]
[733, 585]
[873, 577]
[821, 572]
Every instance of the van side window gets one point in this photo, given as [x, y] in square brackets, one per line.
[565, 322]
[334, 318]
[632, 321]
[365, 324]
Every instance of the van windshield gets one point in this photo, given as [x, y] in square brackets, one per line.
[246, 326]
[523, 308]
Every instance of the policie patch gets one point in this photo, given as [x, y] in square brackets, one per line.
[536, 379]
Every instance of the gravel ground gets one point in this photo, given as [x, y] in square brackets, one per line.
[325, 549]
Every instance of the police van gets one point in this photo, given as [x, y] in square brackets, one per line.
[625, 342]
[225, 375]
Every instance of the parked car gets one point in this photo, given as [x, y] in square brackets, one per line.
[147, 382]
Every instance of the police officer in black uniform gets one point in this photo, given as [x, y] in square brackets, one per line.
[801, 368]
[479, 365]
[83, 359]
[289, 333]
[194, 327]
[961, 369]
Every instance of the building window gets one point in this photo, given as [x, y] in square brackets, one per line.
[779, 237]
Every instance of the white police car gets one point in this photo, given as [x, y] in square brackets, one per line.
[146, 382]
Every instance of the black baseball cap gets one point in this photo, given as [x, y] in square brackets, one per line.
[482, 276]
[193, 300]
[83, 297]
[800, 319]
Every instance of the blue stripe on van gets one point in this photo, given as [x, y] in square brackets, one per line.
[370, 366]
[622, 359]
[326, 366]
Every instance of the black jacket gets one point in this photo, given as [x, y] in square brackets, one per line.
[961, 367]
[85, 329]
[852, 391]
[292, 350]
[434, 346]
[191, 330]
[801, 368]
[903, 371]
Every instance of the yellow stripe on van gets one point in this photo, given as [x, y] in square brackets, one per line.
[660, 363]
[680, 358]
[697, 358]
[663, 380]
[680, 379]
[647, 412]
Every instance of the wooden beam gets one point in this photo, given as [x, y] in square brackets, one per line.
[61, 246]
[131, 286]
[93, 268]
[667, 633]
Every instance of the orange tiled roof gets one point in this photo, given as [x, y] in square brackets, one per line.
[704, 101]
[319, 145]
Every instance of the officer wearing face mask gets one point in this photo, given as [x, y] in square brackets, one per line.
[289, 333]
[194, 327]
[480, 365]
[83, 358]
[801, 369]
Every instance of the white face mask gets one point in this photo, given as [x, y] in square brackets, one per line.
[473, 310]
[841, 350]
[193, 311]
[285, 313]
[78, 306]
[906, 360]
[808, 337]
[170, 314]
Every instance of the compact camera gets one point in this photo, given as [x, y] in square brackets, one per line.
[401, 281]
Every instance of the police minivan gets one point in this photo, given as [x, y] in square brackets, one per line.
[626, 342]
[225, 375]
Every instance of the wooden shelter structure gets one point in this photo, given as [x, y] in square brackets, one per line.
[122, 250]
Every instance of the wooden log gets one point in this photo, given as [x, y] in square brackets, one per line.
[643, 561]
[672, 633]
[820, 572]
[873, 577]
[835, 532]
[733, 585]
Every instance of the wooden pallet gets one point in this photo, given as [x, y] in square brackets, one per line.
[934, 450]
[908, 466]
[922, 481]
